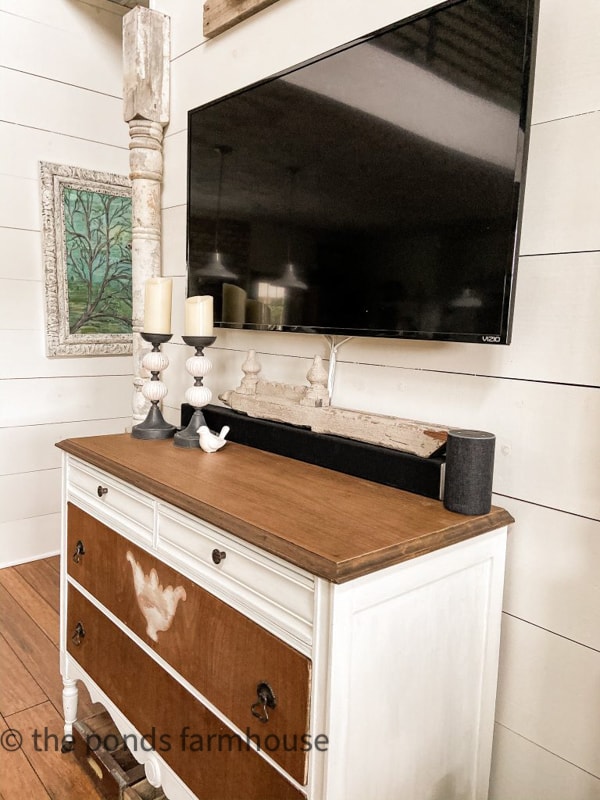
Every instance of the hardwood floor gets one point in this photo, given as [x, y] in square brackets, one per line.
[30, 690]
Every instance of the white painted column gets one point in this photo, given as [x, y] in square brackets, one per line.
[146, 38]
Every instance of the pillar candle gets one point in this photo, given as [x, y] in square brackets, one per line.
[157, 305]
[234, 304]
[257, 313]
[199, 316]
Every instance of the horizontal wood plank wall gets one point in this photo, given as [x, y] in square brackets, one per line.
[552, 580]
[568, 61]
[534, 772]
[544, 679]
[60, 70]
[540, 395]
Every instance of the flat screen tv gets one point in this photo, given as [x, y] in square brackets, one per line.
[374, 190]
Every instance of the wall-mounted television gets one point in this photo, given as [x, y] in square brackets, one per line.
[374, 190]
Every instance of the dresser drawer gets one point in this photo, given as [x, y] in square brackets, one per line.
[113, 501]
[278, 591]
[207, 755]
[220, 651]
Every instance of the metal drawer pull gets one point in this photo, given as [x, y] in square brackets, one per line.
[78, 634]
[218, 555]
[79, 551]
[102, 490]
[266, 700]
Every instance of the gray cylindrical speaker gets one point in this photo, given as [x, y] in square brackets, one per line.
[469, 471]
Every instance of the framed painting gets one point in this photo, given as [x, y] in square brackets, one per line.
[86, 230]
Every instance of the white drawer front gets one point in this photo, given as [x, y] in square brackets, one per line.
[112, 501]
[246, 577]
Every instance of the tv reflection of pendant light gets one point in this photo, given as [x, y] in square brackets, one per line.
[213, 266]
[289, 279]
[467, 299]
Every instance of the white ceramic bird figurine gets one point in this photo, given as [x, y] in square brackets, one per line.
[211, 442]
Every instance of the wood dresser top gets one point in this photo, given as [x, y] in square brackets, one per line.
[333, 525]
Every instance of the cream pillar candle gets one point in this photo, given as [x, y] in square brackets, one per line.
[158, 293]
[199, 316]
[234, 304]
[257, 313]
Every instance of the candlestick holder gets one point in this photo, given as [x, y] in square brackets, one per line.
[154, 426]
[197, 395]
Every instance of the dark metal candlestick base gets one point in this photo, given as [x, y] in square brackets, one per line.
[156, 339]
[199, 342]
[197, 395]
[188, 437]
[154, 426]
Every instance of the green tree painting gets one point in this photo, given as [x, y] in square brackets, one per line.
[97, 230]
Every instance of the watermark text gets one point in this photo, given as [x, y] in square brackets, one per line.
[186, 740]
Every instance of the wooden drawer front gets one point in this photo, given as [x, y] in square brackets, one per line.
[221, 652]
[120, 503]
[280, 592]
[224, 768]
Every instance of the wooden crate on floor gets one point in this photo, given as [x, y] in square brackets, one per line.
[143, 791]
[100, 748]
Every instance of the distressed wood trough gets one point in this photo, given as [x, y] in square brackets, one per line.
[309, 406]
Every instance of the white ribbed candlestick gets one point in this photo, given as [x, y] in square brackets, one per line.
[154, 390]
[197, 395]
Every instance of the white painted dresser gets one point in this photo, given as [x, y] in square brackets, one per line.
[203, 594]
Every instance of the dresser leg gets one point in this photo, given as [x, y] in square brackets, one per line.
[69, 697]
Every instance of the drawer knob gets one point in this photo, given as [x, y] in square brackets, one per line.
[79, 551]
[78, 634]
[102, 490]
[218, 555]
[266, 700]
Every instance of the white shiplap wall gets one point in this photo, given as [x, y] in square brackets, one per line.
[540, 395]
[60, 90]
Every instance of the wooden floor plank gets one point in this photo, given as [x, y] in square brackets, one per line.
[54, 562]
[31, 601]
[60, 773]
[18, 779]
[44, 579]
[31, 692]
[18, 689]
[37, 652]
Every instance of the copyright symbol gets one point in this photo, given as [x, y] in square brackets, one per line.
[11, 739]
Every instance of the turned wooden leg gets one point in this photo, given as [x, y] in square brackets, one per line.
[70, 697]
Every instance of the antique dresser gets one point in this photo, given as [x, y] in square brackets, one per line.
[266, 629]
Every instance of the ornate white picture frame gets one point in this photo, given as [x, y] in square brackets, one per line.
[86, 232]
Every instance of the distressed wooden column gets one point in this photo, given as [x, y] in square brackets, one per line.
[146, 37]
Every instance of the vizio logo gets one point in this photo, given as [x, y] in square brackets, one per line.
[490, 339]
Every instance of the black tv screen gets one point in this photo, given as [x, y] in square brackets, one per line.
[374, 190]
